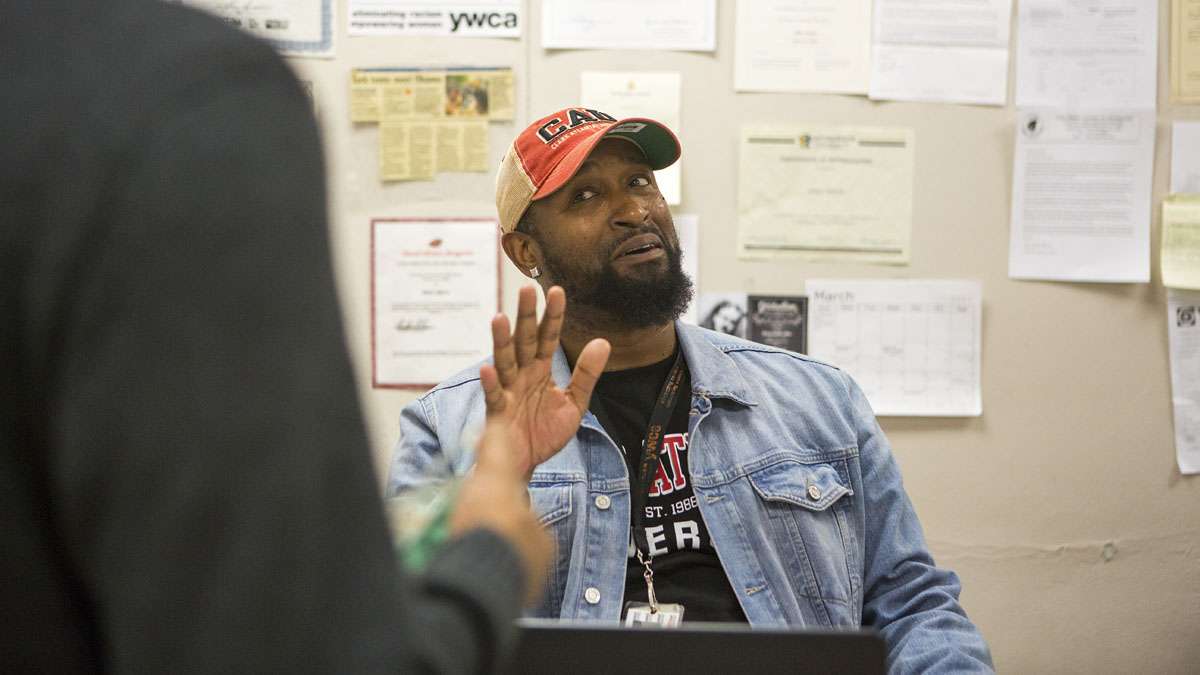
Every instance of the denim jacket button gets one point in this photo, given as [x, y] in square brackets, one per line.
[814, 492]
[603, 502]
[592, 595]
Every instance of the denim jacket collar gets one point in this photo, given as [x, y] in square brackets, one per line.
[712, 372]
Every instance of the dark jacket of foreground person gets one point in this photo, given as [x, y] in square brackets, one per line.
[185, 482]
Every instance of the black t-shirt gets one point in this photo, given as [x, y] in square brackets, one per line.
[686, 568]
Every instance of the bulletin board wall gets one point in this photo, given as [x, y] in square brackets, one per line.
[1061, 507]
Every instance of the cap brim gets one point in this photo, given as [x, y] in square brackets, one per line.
[657, 143]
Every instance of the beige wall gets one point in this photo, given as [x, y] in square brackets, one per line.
[1073, 455]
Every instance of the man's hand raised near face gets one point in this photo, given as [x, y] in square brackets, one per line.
[519, 389]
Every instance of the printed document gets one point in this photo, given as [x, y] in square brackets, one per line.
[431, 120]
[378, 93]
[1087, 54]
[826, 193]
[396, 93]
[293, 27]
[1183, 331]
[802, 45]
[462, 145]
[951, 51]
[1181, 242]
[478, 18]
[408, 149]
[1185, 157]
[912, 345]
[689, 25]
[1185, 51]
[638, 94]
[1081, 196]
[415, 149]
[435, 286]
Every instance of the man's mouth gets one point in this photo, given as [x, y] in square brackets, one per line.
[639, 245]
[641, 249]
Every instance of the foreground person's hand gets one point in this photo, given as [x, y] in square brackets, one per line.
[494, 497]
[519, 389]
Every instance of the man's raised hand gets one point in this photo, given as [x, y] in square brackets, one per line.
[519, 389]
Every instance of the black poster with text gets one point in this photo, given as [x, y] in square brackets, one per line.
[778, 320]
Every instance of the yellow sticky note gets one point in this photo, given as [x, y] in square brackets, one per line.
[1181, 242]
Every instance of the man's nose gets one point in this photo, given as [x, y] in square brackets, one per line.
[631, 211]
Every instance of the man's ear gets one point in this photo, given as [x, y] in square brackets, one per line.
[523, 251]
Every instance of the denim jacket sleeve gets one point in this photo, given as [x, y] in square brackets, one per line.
[912, 602]
[418, 453]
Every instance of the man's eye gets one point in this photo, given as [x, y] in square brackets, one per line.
[583, 195]
[639, 181]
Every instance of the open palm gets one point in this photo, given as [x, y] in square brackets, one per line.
[519, 389]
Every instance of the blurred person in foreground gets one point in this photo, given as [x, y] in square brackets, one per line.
[185, 481]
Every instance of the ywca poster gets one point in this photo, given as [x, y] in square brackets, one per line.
[483, 18]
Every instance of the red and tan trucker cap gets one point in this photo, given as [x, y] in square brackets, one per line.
[548, 152]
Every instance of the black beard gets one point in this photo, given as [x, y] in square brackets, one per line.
[639, 301]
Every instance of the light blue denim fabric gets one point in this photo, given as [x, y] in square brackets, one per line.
[794, 479]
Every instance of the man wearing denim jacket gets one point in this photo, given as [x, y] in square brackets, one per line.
[774, 499]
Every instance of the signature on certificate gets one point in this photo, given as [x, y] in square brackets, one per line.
[413, 324]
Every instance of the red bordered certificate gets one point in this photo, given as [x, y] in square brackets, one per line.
[435, 286]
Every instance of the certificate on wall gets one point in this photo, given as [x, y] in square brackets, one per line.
[689, 25]
[294, 27]
[435, 286]
[1185, 51]
[811, 45]
[826, 193]
[913, 345]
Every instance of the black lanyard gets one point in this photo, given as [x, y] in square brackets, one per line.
[664, 407]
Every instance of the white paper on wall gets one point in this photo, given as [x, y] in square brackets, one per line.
[1081, 196]
[639, 94]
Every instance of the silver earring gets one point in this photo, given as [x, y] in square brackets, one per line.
[535, 272]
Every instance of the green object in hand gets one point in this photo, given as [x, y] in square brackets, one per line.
[419, 550]
[420, 515]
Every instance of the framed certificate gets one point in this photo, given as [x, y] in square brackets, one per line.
[435, 286]
[836, 193]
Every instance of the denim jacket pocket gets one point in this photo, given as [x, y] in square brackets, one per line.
[552, 506]
[812, 486]
[807, 506]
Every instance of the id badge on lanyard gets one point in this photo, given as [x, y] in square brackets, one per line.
[653, 613]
